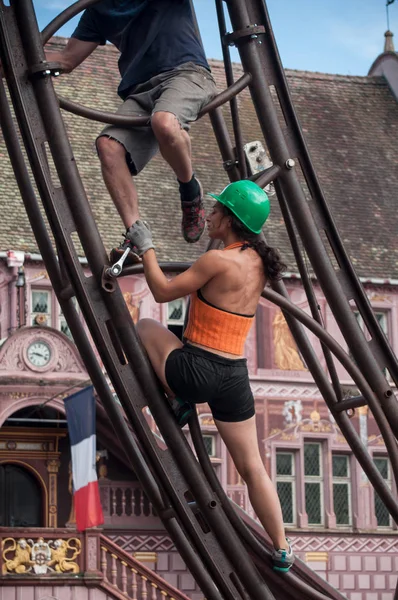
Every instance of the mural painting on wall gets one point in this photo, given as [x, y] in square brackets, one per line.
[294, 423]
[133, 306]
[286, 355]
[292, 412]
[24, 556]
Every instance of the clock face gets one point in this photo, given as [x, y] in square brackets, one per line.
[39, 354]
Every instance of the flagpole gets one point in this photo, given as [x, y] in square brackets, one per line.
[72, 387]
[388, 2]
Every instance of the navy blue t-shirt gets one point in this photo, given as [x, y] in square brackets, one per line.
[152, 36]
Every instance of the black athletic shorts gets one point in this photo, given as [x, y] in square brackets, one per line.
[198, 376]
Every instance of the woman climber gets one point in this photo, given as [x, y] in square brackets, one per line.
[225, 287]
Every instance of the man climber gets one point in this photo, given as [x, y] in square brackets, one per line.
[164, 76]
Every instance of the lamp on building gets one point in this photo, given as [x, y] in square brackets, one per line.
[20, 282]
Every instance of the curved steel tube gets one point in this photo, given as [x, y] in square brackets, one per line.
[110, 118]
[65, 16]
[123, 121]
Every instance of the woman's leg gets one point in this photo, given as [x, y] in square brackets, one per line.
[158, 342]
[241, 441]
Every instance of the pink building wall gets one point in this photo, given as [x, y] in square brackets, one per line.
[360, 559]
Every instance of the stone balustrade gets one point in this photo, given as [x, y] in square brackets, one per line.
[239, 495]
[131, 578]
[124, 502]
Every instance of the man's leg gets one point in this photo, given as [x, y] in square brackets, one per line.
[118, 179]
[184, 91]
[174, 144]
[175, 147]
[124, 152]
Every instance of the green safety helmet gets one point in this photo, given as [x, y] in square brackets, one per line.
[247, 201]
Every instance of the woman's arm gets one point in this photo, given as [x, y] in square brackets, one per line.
[205, 268]
[164, 290]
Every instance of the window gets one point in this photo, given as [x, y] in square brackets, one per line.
[382, 515]
[210, 444]
[41, 301]
[381, 317]
[62, 324]
[313, 483]
[45, 310]
[175, 316]
[341, 489]
[285, 486]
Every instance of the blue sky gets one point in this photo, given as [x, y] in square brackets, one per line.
[330, 36]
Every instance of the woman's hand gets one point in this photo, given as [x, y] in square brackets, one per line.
[140, 236]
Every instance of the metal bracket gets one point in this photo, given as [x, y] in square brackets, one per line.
[252, 31]
[110, 273]
[45, 69]
[228, 165]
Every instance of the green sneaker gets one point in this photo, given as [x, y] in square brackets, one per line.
[182, 410]
[282, 559]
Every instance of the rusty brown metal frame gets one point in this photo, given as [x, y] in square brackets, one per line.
[211, 539]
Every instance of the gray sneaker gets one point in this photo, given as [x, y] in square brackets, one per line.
[282, 559]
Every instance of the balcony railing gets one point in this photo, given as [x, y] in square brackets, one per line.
[123, 503]
[131, 578]
[239, 495]
[46, 556]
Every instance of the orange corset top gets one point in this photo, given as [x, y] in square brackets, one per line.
[216, 328]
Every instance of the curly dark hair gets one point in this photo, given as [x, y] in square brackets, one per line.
[272, 262]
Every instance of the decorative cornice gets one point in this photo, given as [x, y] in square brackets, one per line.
[355, 544]
[284, 390]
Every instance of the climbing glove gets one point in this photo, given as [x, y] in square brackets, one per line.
[140, 237]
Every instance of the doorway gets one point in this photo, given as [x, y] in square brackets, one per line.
[20, 498]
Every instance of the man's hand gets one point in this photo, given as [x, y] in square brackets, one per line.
[140, 236]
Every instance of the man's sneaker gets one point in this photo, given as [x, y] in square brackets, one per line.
[282, 560]
[116, 253]
[182, 411]
[193, 217]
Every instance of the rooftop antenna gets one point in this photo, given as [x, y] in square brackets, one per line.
[388, 2]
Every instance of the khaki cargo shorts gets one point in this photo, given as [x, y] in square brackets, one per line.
[183, 91]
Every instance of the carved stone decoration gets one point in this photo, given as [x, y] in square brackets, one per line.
[41, 557]
[63, 356]
[52, 468]
[21, 561]
[92, 553]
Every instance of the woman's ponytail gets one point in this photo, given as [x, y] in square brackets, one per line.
[272, 262]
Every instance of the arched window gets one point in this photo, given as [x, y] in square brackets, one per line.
[20, 498]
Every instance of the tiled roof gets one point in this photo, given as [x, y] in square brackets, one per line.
[351, 128]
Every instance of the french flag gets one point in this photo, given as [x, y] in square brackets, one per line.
[80, 414]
